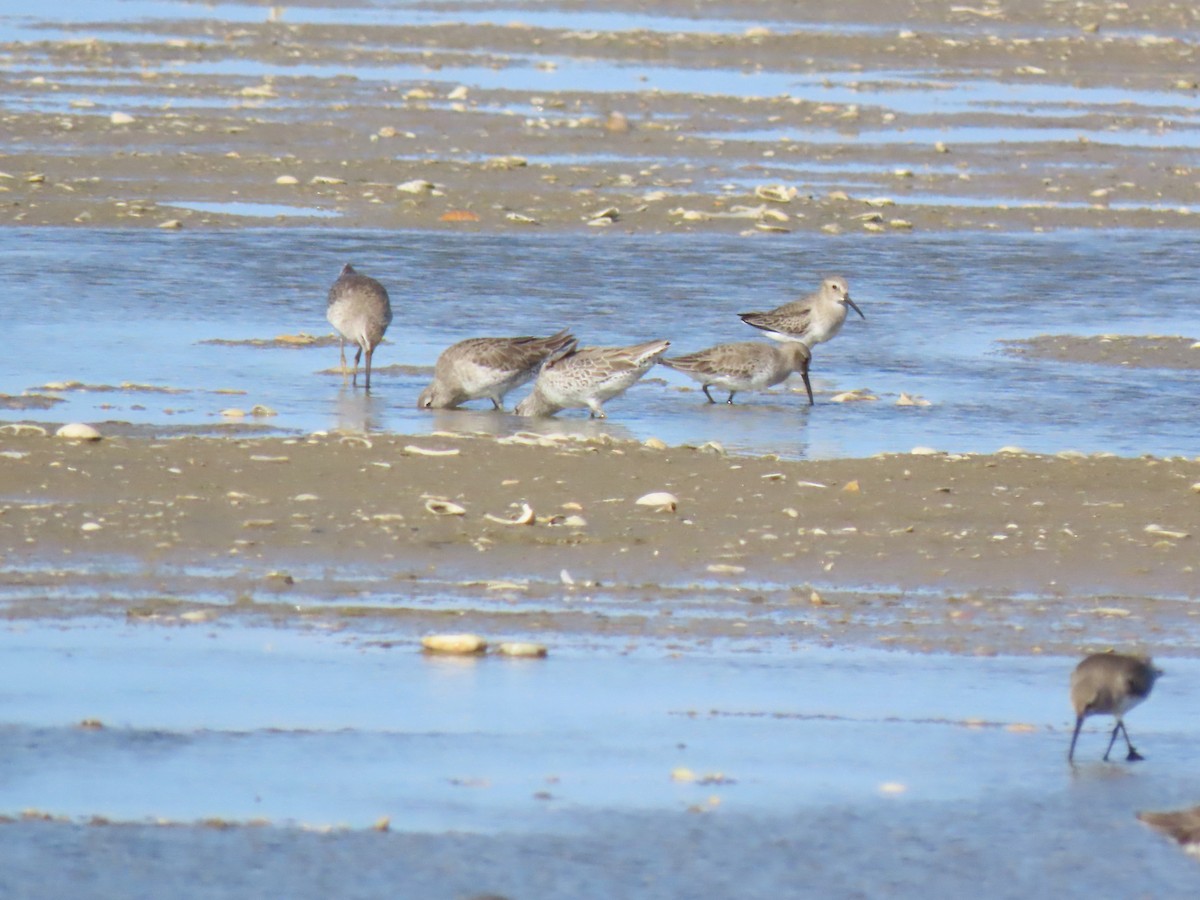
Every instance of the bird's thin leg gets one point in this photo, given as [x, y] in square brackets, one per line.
[495, 404]
[807, 383]
[1133, 756]
[597, 410]
[730, 400]
[370, 353]
[342, 354]
[707, 394]
[357, 357]
[1074, 738]
[1113, 739]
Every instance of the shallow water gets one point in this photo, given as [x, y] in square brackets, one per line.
[466, 744]
[107, 308]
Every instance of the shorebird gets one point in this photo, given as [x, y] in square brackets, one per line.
[489, 367]
[586, 377]
[1182, 825]
[361, 312]
[1110, 684]
[744, 366]
[811, 320]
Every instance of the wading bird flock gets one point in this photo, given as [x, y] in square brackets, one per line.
[567, 376]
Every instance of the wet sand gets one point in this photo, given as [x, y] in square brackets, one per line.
[1010, 553]
[885, 118]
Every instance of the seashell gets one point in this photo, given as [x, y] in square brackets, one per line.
[523, 649]
[851, 487]
[458, 644]
[879, 201]
[1010, 449]
[90, 526]
[521, 219]
[459, 93]
[78, 431]
[712, 447]
[287, 179]
[1159, 531]
[900, 224]
[683, 774]
[611, 213]
[565, 577]
[259, 91]
[725, 569]
[270, 459]
[16, 428]
[326, 179]
[416, 186]
[772, 229]
[171, 223]
[524, 517]
[429, 451]
[574, 522]
[654, 444]
[233, 413]
[774, 476]
[925, 451]
[912, 400]
[121, 118]
[661, 501]
[444, 508]
[355, 440]
[776, 193]
[854, 396]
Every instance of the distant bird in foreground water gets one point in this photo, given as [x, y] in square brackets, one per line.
[744, 366]
[1182, 825]
[488, 367]
[1110, 684]
[588, 376]
[810, 320]
[361, 312]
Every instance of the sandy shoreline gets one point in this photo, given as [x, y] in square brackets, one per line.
[1009, 553]
[879, 122]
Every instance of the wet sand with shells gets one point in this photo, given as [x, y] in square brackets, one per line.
[664, 117]
[543, 536]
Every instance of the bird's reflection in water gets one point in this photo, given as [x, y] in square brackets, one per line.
[358, 411]
[498, 424]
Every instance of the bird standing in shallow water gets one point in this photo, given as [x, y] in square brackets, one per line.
[360, 310]
[1110, 684]
[489, 367]
[587, 376]
[744, 366]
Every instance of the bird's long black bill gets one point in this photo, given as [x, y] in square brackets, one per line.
[854, 306]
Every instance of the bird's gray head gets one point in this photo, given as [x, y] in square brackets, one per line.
[837, 287]
[436, 396]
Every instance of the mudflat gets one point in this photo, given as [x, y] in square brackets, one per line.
[885, 117]
[544, 534]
